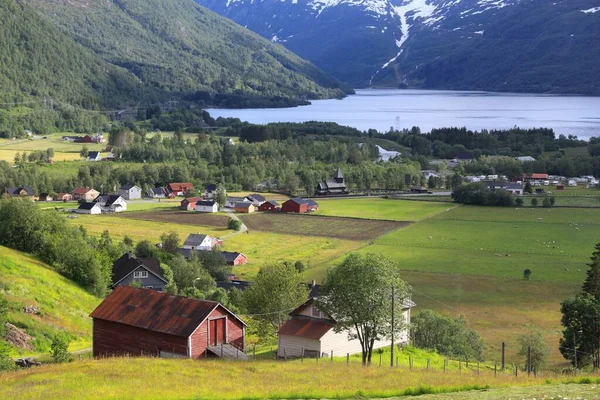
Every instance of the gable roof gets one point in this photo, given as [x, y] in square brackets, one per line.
[190, 200]
[514, 186]
[312, 203]
[309, 328]
[243, 205]
[232, 199]
[464, 156]
[194, 239]
[298, 200]
[257, 197]
[112, 199]
[156, 311]
[127, 263]
[179, 186]
[273, 203]
[211, 187]
[230, 256]
[93, 154]
[81, 190]
[88, 205]
[14, 191]
[129, 186]
[157, 190]
[102, 197]
[207, 203]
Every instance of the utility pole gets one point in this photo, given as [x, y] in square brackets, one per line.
[393, 322]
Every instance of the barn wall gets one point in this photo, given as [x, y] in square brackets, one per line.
[292, 346]
[200, 338]
[114, 339]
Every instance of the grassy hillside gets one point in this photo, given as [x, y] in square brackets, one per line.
[64, 306]
[182, 48]
[204, 379]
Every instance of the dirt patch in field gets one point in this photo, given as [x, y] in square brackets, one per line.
[180, 217]
[311, 225]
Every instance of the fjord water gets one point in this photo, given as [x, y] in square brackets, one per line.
[427, 109]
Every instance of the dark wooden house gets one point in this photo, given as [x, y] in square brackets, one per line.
[270, 205]
[295, 205]
[336, 185]
[132, 321]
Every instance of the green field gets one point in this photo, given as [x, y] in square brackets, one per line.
[378, 208]
[63, 305]
[190, 379]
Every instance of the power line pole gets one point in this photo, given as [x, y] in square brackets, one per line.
[393, 323]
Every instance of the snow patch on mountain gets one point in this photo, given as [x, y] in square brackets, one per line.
[591, 10]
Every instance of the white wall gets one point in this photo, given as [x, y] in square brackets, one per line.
[207, 209]
[292, 346]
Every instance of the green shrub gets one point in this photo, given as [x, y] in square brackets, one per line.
[60, 349]
[234, 224]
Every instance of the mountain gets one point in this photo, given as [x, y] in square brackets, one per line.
[497, 45]
[183, 49]
[62, 306]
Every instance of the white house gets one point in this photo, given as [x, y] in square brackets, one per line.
[210, 191]
[111, 203]
[94, 156]
[310, 333]
[516, 189]
[130, 192]
[427, 173]
[89, 208]
[525, 159]
[207, 206]
[232, 201]
[572, 182]
[256, 199]
[157, 193]
[200, 242]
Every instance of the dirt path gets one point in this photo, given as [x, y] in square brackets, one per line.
[243, 228]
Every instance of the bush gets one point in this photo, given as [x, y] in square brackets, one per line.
[526, 274]
[60, 349]
[546, 202]
[479, 194]
[6, 362]
[234, 224]
[519, 202]
[534, 202]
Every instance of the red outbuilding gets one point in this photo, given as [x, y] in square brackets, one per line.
[270, 205]
[133, 321]
[295, 205]
[189, 204]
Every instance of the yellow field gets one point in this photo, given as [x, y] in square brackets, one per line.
[9, 155]
[144, 378]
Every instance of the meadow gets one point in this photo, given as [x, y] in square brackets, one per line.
[378, 208]
[64, 306]
[189, 379]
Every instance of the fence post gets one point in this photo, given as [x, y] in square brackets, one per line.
[459, 366]
[445, 365]
[495, 368]
[221, 350]
[428, 361]
[516, 370]
[396, 361]
[284, 355]
[528, 360]
[503, 351]
[410, 363]
[347, 358]
[302, 356]
[254, 351]
[477, 367]
[380, 359]
[331, 356]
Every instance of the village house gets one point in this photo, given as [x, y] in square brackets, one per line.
[200, 242]
[130, 192]
[245, 208]
[64, 197]
[180, 188]
[232, 201]
[157, 193]
[137, 322]
[45, 197]
[21, 191]
[310, 333]
[516, 189]
[189, 204]
[210, 191]
[419, 189]
[493, 184]
[336, 185]
[256, 199]
[111, 203]
[535, 178]
[429, 173]
[269, 206]
[234, 258]
[525, 159]
[207, 206]
[128, 269]
[84, 194]
[94, 156]
[89, 208]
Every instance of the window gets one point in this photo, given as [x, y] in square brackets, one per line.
[149, 287]
[316, 313]
[140, 274]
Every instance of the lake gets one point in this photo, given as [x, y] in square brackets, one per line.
[381, 109]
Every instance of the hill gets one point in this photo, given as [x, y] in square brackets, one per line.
[63, 306]
[187, 52]
[504, 45]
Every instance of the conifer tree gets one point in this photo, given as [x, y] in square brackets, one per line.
[591, 284]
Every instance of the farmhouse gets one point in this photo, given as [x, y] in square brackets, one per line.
[64, 197]
[189, 204]
[336, 185]
[234, 258]
[232, 201]
[493, 184]
[210, 191]
[130, 192]
[89, 208]
[21, 191]
[200, 242]
[111, 203]
[146, 271]
[256, 199]
[310, 333]
[180, 188]
[132, 321]
[157, 193]
[244, 208]
[84, 194]
[270, 205]
[207, 206]
[516, 189]
[94, 156]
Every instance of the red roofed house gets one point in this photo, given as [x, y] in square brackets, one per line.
[133, 321]
[310, 333]
[535, 177]
[189, 204]
[180, 189]
[85, 194]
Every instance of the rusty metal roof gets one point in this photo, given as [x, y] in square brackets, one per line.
[155, 311]
[310, 328]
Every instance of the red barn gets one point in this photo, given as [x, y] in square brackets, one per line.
[270, 205]
[132, 321]
[234, 258]
[180, 188]
[190, 203]
[296, 205]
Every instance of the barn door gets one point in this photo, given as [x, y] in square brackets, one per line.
[217, 331]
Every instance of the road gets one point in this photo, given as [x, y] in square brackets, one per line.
[243, 228]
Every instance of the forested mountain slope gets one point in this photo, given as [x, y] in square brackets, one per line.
[183, 49]
[502, 45]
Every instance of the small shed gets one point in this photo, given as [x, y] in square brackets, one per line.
[269, 206]
[133, 321]
[234, 258]
[560, 187]
[246, 208]
[64, 197]
[45, 197]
